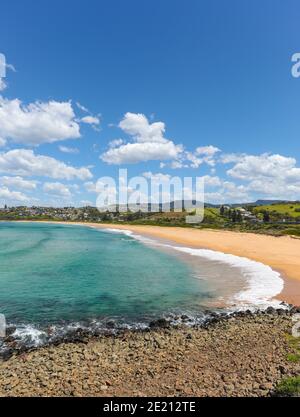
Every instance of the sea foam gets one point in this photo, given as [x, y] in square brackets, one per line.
[262, 282]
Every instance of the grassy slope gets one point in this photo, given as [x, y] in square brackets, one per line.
[284, 209]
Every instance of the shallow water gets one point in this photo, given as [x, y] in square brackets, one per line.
[68, 276]
[51, 272]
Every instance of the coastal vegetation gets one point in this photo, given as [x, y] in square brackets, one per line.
[289, 387]
[273, 219]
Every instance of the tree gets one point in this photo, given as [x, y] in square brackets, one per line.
[233, 216]
[239, 217]
[266, 217]
[222, 210]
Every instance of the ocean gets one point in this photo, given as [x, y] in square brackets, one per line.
[57, 278]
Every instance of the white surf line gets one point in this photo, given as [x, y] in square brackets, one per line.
[263, 283]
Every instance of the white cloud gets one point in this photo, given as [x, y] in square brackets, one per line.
[212, 181]
[115, 143]
[3, 84]
[228, 193]
[38, 122]
[18, 182]
[25, 162]
[90, 120]
[204, 154]
[148, 143]
[158, 177]
[11, 67]
[228, 158]
[274, 175]
[57, 189]
[209, 150]
[90, 187]
[81, 107]
[141, 152]
[2, 142]
[137, 126]
[7, 195]
[269, 166]
[87, 203]
[193, 160]
[68, 149]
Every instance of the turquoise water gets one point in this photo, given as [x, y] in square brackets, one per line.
[58, 273]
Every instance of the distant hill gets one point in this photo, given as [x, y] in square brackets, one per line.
[256, 203]
[268, 202]
[156, 207]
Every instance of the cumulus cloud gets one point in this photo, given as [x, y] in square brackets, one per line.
[87, 203]
[275, 176]
[3, 84]
[212, 181]
[209, 150]
[228, 158]
[115, 143]
[68, 149]
[8, 195]
[25, 162]
[141, 152]
[157, 177]
[229, 192]
[138, 126]
[148, 142]
[38, 122]
[204, 154]
[57, 189]
[18, 182]
[90, 120]
[251, 167]
[90, 186]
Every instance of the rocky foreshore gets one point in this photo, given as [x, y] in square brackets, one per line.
[242, 355]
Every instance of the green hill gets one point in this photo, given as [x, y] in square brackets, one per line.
[281, 211]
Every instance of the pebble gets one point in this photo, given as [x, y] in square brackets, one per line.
[243, 356]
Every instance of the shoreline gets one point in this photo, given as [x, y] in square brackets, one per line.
[252, 350]
[253, 246]
[279, 253]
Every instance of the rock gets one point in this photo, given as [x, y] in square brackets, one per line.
[160, 323]
[251, 352]
[266, 386]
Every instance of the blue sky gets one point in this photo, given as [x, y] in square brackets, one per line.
[197, 88]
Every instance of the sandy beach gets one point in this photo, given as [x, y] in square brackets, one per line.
[280, 253]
